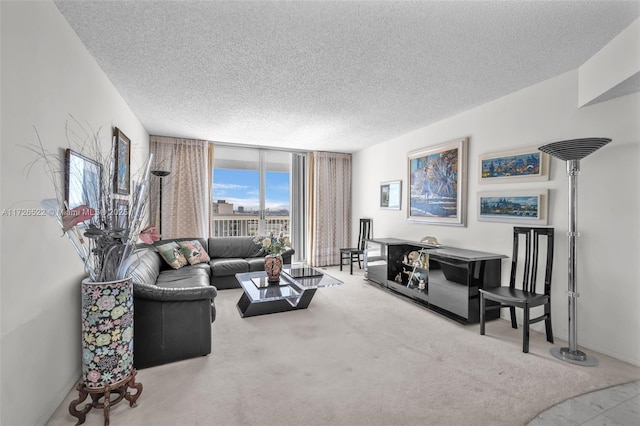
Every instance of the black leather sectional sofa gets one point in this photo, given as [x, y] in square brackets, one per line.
[174, 308]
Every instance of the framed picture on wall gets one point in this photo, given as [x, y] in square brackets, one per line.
[120, 213]
[519, 207]
[83, 181]
[390, 195]
[520, 165]
[122, 151]
[437, 184]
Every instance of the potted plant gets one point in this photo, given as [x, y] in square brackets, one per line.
[273, 247]
[103, 241]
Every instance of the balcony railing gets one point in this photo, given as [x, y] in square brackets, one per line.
[246, 225]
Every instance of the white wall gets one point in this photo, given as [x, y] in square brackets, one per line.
[609, 210]
[616, 63]
[47, 75]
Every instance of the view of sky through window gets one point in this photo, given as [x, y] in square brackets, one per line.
[241, 188]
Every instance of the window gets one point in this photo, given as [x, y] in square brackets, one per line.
[251, 191]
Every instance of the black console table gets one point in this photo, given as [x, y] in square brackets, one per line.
[444, 279]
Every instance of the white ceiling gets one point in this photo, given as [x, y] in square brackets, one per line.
[331, 75]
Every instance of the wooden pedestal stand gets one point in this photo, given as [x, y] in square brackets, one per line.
[104, 394]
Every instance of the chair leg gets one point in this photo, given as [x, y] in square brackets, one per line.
[482, 304]
[547, 323]
[525, 331]
[514, 323]
[341, 260]
[351, 264]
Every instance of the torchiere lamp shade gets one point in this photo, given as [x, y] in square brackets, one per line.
[574, 149]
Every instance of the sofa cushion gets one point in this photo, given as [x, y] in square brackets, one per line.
[256, 264]
[203, 241]
[193, 252]
[233, 247]
[223, 267]
[143, 266]
[187, 277]
[202, 266]
[172, 254]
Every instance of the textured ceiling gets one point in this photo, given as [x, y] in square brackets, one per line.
[325, 75]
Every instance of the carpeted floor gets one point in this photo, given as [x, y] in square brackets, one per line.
[357, 356]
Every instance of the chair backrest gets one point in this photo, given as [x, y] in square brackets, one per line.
[365, 232]
[530, 266]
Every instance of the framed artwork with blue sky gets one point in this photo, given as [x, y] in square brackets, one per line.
[519, 165]
[437, 184]
[122, 148]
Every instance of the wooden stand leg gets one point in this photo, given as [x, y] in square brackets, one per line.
[104, 394]
[107, 405]
[133, 385]
[80, 415]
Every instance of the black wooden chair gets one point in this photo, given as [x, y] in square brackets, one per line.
[355, 254]
[525, 298]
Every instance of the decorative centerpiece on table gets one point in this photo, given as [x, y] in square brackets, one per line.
[273, 247]
[103, 238]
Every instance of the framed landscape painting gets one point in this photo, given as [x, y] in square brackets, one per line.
[520, 165]
[122, 163]
[520, 207]
[390, 195]
[83, 181]
[437, 184]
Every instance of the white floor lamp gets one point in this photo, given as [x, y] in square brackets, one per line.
[572, 151]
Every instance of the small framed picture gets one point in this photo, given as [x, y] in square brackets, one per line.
[520, 165]
[120, 213]
[521, 207]
[122, 150]
[83, 181]
[390, 195]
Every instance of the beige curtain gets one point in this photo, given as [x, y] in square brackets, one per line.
[186, 190]
[329, 204]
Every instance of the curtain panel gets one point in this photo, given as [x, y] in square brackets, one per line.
[185, 191]
[329, 207]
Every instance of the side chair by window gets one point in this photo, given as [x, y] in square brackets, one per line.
[355, 254]
[527, 297]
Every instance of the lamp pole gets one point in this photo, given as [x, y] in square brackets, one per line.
[160, 174]
[572, 151]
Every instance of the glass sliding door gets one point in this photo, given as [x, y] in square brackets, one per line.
[251, 191]
[299, 205]
[235, 207]
[277, 192]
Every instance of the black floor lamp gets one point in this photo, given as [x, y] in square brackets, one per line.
[160, 174]
[572, 151]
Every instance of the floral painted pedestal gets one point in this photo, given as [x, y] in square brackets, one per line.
[107, 348]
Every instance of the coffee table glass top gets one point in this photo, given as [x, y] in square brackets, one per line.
[288, 289]
[266, 294]
[316, 280]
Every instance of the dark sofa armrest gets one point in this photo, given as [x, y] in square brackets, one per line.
[161, 294]
[286, 256]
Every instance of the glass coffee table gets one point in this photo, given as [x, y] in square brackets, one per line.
[294, 291]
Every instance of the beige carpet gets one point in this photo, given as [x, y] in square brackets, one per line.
[357, 356]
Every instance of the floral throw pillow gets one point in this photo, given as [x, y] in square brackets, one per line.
[172, 254]
[194, 252]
